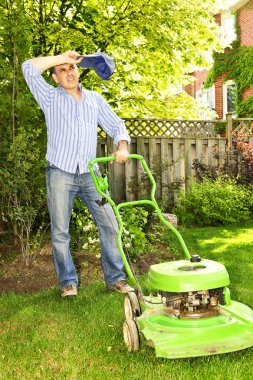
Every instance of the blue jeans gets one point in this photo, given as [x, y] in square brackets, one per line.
[62, 187]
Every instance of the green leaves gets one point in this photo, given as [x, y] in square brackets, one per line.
[236, 64]
[82, 229]
[154, 43]
[217, 202]
[134, 237]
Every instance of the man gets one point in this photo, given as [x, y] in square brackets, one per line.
[72, 114]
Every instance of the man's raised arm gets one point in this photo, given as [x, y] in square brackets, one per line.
[45, 63]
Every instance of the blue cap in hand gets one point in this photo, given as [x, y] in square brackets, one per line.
[101, 63]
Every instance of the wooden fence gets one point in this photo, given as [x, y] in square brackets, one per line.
[170, 154]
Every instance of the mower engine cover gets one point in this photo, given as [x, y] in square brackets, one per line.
[185, 276]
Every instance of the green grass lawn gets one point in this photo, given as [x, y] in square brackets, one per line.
[45, 337]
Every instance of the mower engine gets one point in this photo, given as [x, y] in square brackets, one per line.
[195, 304]
[180, 286]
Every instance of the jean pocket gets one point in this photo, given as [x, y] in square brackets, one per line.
[51, 166]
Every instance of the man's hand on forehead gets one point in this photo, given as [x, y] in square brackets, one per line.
[72, 57]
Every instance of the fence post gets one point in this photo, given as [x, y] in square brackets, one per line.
[229, 127]
[229, 136]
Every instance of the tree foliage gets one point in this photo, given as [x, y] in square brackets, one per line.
[154, 44]
[22, 188]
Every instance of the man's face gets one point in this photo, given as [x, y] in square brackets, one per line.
[67, 76]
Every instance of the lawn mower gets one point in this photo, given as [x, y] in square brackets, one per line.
[189, 311]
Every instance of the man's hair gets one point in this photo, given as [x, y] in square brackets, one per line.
[52, 70]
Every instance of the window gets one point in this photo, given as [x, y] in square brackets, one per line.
[228, 28]
[208, 96]
[229, 96]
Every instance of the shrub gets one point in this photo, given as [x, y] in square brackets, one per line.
[83, 231]
[135, 220]
[217, 202]
[23, 190]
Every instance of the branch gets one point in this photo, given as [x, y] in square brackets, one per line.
[77, 9]
[84, 72]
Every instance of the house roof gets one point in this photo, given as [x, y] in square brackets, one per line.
[237, 5]
[233, 6]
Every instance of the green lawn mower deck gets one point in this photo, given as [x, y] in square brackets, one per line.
[195, 316]
[189, 311]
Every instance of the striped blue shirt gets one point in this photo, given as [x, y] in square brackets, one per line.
[72, 125]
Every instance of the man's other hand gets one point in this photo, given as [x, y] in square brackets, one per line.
[121, 154]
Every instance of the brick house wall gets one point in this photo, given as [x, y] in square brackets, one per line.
[245, 23]
[219, 96]
[217, 19]
[200, 77]
[248, 91]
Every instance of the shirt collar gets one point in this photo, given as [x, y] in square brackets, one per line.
[63, 91]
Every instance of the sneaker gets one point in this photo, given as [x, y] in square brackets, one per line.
[120, 287]
[69, 291]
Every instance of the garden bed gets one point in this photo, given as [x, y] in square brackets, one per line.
[17, 278]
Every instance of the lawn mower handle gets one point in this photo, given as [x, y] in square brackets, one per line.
[102, 188]
[113, 158]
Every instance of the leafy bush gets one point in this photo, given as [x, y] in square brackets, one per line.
[216, 202]
[134, 238]
[83, 231]
[245, 107]
[23, 190]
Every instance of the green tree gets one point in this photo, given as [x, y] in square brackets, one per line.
[22, 195]
[154, 43]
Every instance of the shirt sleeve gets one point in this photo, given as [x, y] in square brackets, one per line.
[112, 124]
[41, 90]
